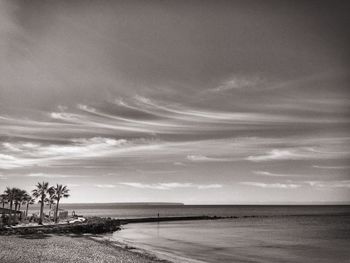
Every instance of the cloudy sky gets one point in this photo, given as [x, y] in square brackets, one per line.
[179, 101]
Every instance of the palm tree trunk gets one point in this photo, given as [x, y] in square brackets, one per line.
[41, 211]
[15, 215]
[3, 210]
[56, 212]
[10, 213]
[27, 209]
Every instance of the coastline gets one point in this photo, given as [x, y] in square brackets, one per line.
[83, 242]
[70, 248]
[145, 250]
[68, 243]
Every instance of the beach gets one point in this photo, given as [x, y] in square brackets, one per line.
[67, 248]
[263, 234]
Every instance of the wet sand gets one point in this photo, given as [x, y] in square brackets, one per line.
[62, 248]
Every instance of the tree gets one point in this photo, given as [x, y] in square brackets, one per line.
[19, 198]
[3, 200]
[28, 201]
[50, 201]
[10, 196]
[52, 197]
[41, 192]
[60, 191]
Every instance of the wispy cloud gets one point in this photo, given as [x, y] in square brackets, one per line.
[270, 174]
[329, 184]
[169, 186]
[82, 150]
[89, 99]
[75, 149]
[276, 154]
[197, 116]
[297, 153]
[296, 184]
[331, 167]
[49, 175]
[272, 185]
[8, 161]
[203, 158]
[238, 82]
[105, 185]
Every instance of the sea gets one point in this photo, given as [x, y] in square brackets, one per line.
[257, 233]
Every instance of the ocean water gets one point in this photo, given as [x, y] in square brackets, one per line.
[259, 234]
[137, 211]
[322, 238]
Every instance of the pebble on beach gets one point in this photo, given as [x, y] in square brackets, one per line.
[62, 248]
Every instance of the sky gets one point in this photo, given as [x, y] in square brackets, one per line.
[200, 102]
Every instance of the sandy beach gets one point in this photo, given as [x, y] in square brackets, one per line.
[66, 248]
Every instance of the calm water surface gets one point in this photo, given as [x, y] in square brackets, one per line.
[270, 239]
[118, 211]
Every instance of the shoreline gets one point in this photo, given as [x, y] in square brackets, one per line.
[137, 249]
[165, 257]
[69, 242]
[43, 243]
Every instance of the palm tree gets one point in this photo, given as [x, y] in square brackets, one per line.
[28, 201]
[60, 191]
[19, 197]
[41, 191]
[3, 200]
[52, 197]
[50, 201]
[10, 196]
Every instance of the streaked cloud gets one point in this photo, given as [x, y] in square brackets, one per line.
[329, 184]
[45, 175]
[272, 185]
[86, 90]
[296, 184]
[170, 186]
[105, 185]
[189, 114]
[270, 174]
[77, 148]
[203, 158]
[331, 167]
[276, 154]
[239, 82]
[297, 153]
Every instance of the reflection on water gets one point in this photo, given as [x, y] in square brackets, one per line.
[269, 239]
